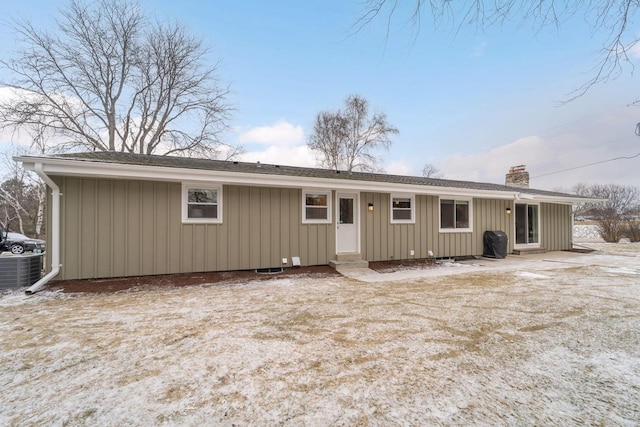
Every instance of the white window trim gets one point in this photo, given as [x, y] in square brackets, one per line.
[329, 195]
[412, 197]
[457, 199]
[185, 196]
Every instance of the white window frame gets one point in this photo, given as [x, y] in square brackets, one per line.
[186, 186]
[455, 199]
[326, 193]
[411, 197]
[528, 245]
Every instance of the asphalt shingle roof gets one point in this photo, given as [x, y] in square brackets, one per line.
[268, 169]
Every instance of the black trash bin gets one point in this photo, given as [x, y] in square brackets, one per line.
[495, 244]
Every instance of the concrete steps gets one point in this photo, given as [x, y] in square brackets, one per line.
[347, 257]
[530, 251]
[338, 265]
[348, 261]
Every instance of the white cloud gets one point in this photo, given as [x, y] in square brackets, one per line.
[281, 133]
[8, 135]
[492, 165]
[299, 155]
[634, 49]
[398, 167]
[544, 156]
[281, 143]
[8, 93]
[20, 137]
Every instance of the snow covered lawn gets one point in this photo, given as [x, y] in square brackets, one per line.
[546, 343]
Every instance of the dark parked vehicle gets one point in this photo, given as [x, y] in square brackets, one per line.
[18, 243]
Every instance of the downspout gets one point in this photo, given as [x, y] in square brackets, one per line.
[54, 250]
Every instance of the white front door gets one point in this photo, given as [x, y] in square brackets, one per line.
[347, 223]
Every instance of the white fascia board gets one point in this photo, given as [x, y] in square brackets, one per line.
[95, 169]
[556, 199]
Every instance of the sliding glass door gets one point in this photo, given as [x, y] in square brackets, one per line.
[527, 224]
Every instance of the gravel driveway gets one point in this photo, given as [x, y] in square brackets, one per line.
[544, 340]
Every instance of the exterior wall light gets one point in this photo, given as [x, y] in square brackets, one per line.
[508, 211]
[370, 207]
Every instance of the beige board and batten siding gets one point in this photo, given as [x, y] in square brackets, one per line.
[382, 240]
[115, 228]
[555, 225]
[491, 214]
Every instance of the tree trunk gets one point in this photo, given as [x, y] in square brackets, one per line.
[42, 193]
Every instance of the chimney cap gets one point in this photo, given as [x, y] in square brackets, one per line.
[519, 168]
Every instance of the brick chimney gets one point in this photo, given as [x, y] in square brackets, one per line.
[517, 177]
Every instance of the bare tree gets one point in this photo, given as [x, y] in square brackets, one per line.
[347, 139]
[617, 216]
[614, 16]
[20, 200]
[40, 144]
[430, 171]
[108, 80]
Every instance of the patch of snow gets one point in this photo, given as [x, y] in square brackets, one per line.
[621, 270]
[16, 297]
[627, 249]
[490, 344]
[528, 275]
[585, 231]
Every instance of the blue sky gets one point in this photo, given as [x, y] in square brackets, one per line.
[473, 103]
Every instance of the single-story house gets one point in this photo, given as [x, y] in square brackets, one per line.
[119, 214]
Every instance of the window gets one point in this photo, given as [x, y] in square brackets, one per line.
[201, 203]
[402, 208]
[455, 215]
[527, 224]
[346, 210]
[316, 207]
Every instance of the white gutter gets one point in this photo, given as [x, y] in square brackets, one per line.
[54, 233]
[111, 170]
[524, 196]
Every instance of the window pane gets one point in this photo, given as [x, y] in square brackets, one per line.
[202, 211]
[521, 224]
[401, 209]
[198, 195]
[462, 214]
[447, 214]
[346, 211]
[316, 213]
[402, 214]
[401, 203]
[316, 200]
[533, 224]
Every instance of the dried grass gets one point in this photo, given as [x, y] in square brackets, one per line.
[482, 348]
